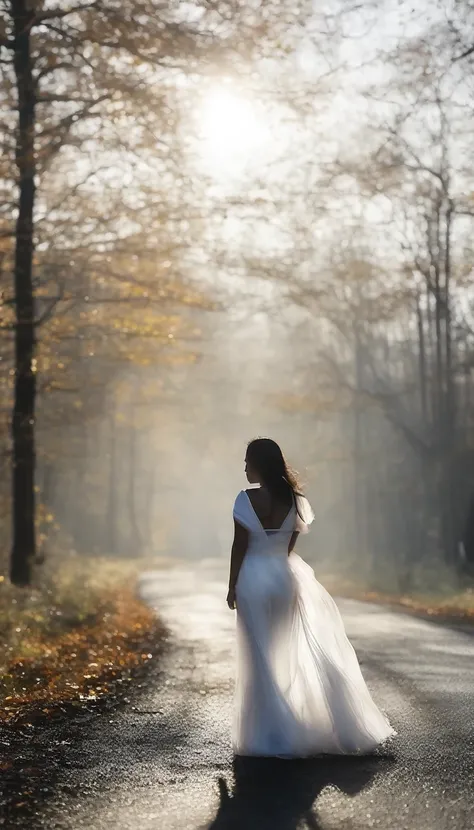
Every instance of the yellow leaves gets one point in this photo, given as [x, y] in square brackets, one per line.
[43, 515]
[456, 607]
[79, 635]
[61, 669]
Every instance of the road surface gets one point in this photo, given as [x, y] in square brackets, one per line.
[164, 762]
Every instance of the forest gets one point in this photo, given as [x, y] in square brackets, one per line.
[220, 220]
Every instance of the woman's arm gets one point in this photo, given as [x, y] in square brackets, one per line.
[239, 549]
[293, 539]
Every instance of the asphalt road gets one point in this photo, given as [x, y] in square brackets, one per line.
[164, 762]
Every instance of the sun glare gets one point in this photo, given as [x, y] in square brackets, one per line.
[233, 131]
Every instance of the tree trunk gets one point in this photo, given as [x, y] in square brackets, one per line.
[439, 314]
[450, 410]
[136, 539]
[23, 420]
[112, 488]
[450, 385]
[359, 479]
[149, 497]
[422, 364]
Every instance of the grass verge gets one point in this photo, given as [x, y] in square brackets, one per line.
[75, 639]
[451, 605]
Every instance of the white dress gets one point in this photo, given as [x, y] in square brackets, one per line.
[299, 687]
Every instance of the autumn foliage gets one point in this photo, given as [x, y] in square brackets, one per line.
[452, 606]
[67, 645]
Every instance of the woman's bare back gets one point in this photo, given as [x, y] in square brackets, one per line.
[270, 513]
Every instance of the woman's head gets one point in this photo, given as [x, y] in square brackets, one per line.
[266, 465]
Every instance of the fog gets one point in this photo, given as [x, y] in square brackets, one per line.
[156, 471]
[283, 248]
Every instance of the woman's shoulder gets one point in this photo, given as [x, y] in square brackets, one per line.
[242, 512]
[253, 496]
[257, 496]
[241, 500]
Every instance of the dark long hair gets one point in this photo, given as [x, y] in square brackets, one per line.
[267, 459]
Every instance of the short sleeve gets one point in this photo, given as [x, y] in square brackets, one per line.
[241, 510]
[304, 514]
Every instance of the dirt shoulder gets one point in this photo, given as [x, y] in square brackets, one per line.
[73, 647]
[454, 607]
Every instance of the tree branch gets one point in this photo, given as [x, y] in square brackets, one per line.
[464, 54]
[58, 14]
[48, 312]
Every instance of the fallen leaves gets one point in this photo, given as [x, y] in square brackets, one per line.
[456, 607]
[84, 657]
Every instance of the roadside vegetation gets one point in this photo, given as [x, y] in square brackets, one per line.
[437, 598]
[76, 639]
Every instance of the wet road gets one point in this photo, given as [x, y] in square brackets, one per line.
[164, 763]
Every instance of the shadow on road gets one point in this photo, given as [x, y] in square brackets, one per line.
[272, 794]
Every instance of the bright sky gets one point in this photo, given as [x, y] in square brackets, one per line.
[238, 137]
[233, 131]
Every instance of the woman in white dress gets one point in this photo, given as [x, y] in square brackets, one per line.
[299, 688]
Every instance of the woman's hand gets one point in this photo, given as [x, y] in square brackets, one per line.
[231, 599]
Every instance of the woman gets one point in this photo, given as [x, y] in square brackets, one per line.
[299, 689]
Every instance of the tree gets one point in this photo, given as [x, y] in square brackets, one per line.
[96, 75]
[73, 68]
[388, 294]
[23, 440]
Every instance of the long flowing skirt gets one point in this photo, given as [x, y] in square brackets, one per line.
[299, 688]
